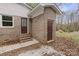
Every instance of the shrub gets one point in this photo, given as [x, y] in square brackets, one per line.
[61, 31]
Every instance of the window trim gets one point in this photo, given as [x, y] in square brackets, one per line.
[1, 23]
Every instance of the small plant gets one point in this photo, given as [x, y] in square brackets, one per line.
[61, 31]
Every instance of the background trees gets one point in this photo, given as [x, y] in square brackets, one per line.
[68, 21]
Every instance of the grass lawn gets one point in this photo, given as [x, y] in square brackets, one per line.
[69, 35]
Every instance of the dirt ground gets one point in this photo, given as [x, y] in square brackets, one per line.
[44, 50]
[66, 46]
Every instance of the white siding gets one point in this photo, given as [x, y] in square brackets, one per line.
[13, 9]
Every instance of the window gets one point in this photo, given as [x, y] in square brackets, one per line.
[7, 21]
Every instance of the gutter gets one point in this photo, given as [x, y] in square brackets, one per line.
[58, 8]
[34, 9]
[24, 4]
[28, 6]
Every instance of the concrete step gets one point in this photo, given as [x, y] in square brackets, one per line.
[25, 40]
[25, 35]
[13, 49]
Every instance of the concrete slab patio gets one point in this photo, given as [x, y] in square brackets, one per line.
[4, 49]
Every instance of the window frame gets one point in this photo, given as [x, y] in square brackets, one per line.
[1, 22]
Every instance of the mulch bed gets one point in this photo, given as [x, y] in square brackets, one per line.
[66, 46]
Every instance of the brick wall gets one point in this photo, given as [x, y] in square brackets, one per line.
[39, 25]
[11, 34]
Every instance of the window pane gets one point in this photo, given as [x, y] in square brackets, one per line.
[7, 23]
[24, 22]
[9, 18]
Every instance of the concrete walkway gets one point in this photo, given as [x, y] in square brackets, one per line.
[17, 46]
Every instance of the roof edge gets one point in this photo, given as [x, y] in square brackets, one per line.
[58, 8]
[33, 10]
[25, 5]
[53, 6]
